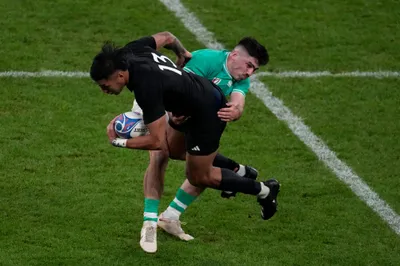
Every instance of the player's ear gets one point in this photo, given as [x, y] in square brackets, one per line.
[120, 74]
[235, 53]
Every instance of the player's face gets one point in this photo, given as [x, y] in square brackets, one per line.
[243, 65]
[114, 84]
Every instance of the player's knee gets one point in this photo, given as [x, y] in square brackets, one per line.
[211, 180]
[197, 183]
[202, 179]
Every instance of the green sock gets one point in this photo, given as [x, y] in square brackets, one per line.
[181, 201]
[151, 210]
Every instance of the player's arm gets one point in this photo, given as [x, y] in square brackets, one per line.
[169, 41]
[238, 100]
[234, 109]
[149, 97]
[156, 140]
[162, 40]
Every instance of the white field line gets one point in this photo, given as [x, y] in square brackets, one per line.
[342, 171]
[306, 74]
[285, 74]
[44, 73]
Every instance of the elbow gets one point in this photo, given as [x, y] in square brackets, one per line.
[168, 37]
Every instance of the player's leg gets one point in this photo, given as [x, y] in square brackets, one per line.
[176, 140]
[169, 220]
[153, 184]
[201, 173]
[178, 152]
[186, 194]
[243, 170]
[202, 141]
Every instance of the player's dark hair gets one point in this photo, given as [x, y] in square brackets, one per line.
[109, 60]
[255, 49]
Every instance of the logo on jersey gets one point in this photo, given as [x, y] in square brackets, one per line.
[229, 83]
[196, 148]
[216, 81]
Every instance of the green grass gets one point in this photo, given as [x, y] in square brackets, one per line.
[311, 35]
[357, 118]
[68, 198]
[66, 34]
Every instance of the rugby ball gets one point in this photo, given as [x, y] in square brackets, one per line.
[130, 125]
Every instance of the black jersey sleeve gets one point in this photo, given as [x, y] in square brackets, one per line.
[141, 43]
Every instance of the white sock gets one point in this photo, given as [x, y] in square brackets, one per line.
[241, 171]
[264, 191]
[171, 213]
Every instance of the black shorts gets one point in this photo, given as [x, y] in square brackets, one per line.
[181, 127]
[204, 129]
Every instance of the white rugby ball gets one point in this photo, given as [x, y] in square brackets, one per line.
[130, 125]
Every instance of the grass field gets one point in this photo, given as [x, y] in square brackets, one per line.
[68, 198]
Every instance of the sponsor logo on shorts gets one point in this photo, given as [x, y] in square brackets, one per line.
[196, 148]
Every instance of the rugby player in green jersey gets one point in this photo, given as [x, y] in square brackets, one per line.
[230, 70]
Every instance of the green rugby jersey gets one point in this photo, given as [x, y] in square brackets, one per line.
[211, 64]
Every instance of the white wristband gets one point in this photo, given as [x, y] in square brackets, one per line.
[119, 143]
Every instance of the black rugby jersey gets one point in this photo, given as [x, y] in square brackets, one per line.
[160, 86]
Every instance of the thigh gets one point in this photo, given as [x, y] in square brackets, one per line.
[205, 128]
[201, 173]
[204, 134]
[199, 167]
[176, 144]
[181, 127]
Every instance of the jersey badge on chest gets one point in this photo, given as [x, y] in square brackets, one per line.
[216, 81]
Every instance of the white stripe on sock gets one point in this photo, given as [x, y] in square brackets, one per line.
[180, 204]
[150, 215]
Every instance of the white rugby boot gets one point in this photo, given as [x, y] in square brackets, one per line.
[173, 227]
[148, 237]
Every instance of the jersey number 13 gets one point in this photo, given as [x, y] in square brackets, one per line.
[164, 59]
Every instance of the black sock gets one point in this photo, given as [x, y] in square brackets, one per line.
[224, 162]
[233, 182]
